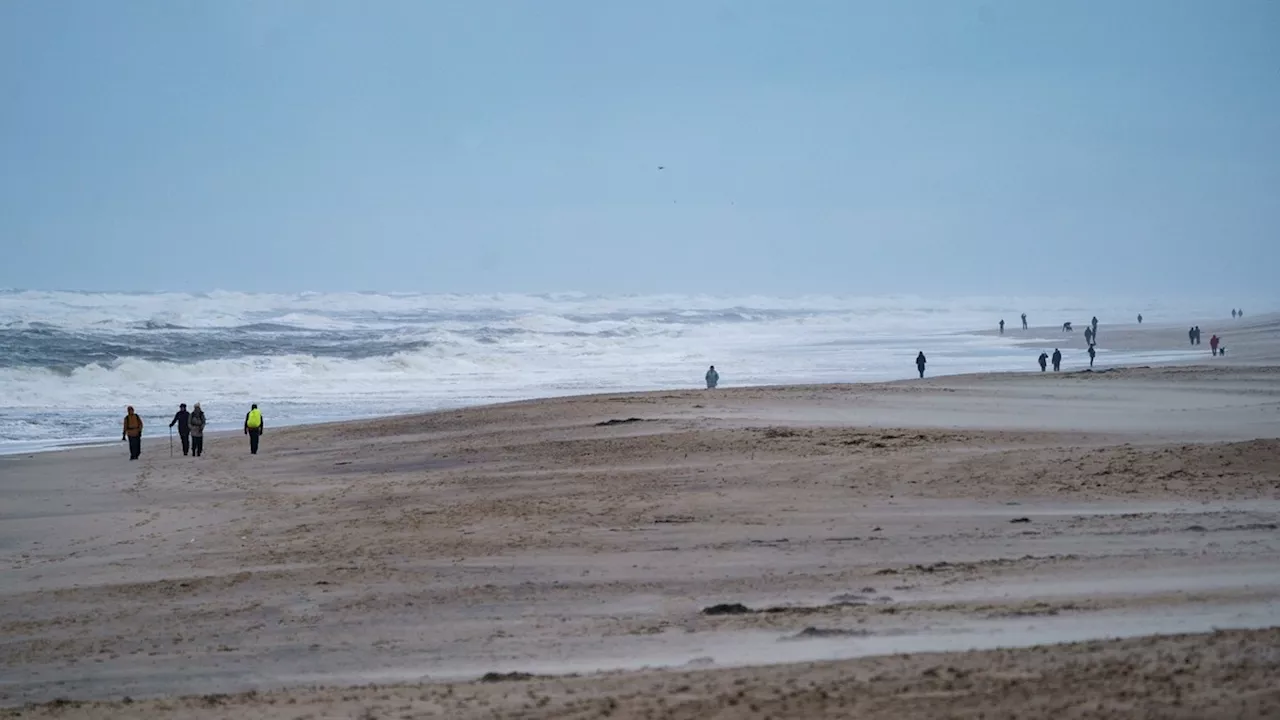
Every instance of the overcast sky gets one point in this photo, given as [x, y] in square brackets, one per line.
[935, 147]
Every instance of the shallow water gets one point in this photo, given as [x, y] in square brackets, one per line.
[71, 362]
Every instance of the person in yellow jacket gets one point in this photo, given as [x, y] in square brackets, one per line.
[133, 432]
[253, 428]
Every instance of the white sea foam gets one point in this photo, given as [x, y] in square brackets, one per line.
[70, 361]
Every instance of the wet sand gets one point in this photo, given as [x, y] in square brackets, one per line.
[1248, 340]
[836, 526]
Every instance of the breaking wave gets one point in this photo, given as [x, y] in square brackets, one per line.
[69, 362]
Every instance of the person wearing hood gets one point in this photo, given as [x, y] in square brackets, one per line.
[182, 419]
[1044, 361]
[920, 361]
[1092, 354]
[253, 428]
[197, 423]
[713, 378]
[1057, 359]
[133, 432]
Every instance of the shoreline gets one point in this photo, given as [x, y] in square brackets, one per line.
[1251, 342]
[71, 445]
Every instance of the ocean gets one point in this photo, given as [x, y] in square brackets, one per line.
[70, 362]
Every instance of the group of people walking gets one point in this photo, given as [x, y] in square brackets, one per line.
[190, 430]
[1045, 359]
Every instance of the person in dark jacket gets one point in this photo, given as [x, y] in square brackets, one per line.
[197, 431]
[1057, 359]
[1092, 354]
[253, 428]
[920, 361]
[133, 433]
[182, 419]
[1044, 361]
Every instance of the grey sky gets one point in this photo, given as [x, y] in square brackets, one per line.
[826, 146]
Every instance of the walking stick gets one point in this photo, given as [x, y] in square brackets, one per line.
[170, 441]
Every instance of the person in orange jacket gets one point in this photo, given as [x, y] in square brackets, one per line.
[133, 433]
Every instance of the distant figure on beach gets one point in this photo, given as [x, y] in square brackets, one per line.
[1233, 313]
[1057, 359]
[1139, 318]
[1024, 321]
[1213, 344]
[1240, 312]
[1191, 335]
[1044, 361]
[1197, 334]
[133, 432]
[1094, 334]
[197, 423]
[1092, 354]
[1066, 327]
[183, 420]
[713, 378]
[253, 428]
[1002, 326]
[920, 361]
[1088, 336]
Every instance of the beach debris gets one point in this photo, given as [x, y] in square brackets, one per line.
[816, 633]
[620, 421]
[727, 609]
[1020, 520]
[674, 519]
[837, 603]
[494, 677]
[702, 661]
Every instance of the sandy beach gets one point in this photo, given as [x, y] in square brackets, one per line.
[1070, 545]
[1248, 340]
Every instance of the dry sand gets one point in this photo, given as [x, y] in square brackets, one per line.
[847, 521]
